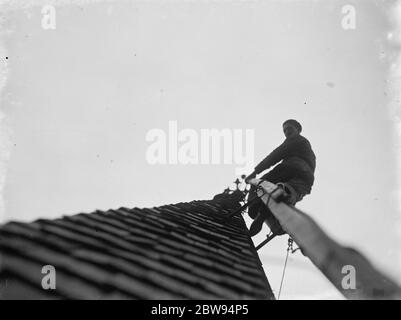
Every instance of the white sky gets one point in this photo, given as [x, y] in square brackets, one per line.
[80, 99]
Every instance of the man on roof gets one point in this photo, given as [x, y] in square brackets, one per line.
[294, 173]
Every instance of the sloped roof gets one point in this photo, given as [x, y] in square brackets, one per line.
[180, 251]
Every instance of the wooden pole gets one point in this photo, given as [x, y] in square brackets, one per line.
[348, 270]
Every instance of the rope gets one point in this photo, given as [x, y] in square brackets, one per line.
[243, 207]
[253, 200]
[249, 203]
[289, 248]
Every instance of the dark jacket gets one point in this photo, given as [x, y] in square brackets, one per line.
[298, 161]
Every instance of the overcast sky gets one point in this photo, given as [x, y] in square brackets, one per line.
[80, 100]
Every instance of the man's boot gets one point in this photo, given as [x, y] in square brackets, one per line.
[265, 215]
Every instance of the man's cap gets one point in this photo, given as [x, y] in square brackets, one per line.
[295, 123]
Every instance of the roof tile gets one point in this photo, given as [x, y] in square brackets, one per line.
[178, 251]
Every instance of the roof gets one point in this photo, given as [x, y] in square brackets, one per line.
[179, 251]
